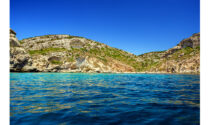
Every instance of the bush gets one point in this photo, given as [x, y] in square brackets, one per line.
[56, 62]
[45, 51]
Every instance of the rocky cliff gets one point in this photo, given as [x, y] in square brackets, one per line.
[183, 58]
[20, 60]
[66, 53]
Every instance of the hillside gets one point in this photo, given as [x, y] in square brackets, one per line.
[66, 53]
[183, 58]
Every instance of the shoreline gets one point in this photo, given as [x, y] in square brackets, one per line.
[116, 73]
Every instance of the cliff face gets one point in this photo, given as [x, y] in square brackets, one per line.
[183, 58]
[65, 53]
[20, 60]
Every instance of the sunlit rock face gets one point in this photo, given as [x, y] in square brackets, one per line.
[183, 58]
[193, 41]
[13, 40]
[20, 60]
[65, 53]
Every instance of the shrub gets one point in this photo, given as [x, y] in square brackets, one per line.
[56, 62]
[45, 51]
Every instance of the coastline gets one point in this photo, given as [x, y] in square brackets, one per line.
[81, 55]
[117, 73]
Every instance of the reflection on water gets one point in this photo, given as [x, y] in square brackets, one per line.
[66, 98]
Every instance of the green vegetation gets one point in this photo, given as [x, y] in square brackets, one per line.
[45, 51]
[70, 59]
[70, 37]
[148, 61]
[45, 36]
[106, 54]
[185, 53]
[155, 60]
[40, 41]
[21, 41]
[56, 62]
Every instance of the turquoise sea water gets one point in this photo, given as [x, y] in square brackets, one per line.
[104, 99]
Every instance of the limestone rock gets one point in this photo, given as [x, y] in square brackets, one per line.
[62, 53]
[193, 41]
[183, 58]
[66, 53]
[13, 40]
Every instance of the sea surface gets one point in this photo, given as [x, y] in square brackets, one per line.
[104, 99]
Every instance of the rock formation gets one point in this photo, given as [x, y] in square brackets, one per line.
[66, 53]
[183, 58]
[20, 60]
[13, 40]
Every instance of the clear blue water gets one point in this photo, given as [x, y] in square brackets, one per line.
[104, 99]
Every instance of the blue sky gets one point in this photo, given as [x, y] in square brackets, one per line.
[136, 26]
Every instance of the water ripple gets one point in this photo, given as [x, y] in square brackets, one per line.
[66, 98]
